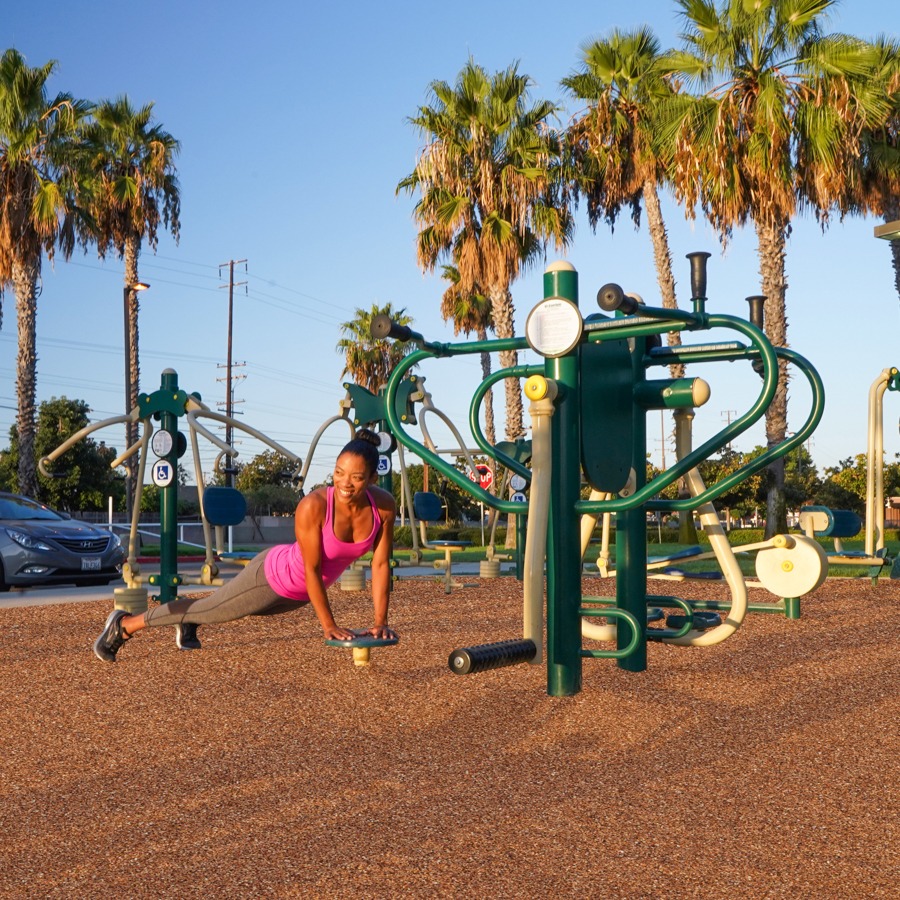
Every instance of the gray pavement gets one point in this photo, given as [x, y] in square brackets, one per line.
[46, 596]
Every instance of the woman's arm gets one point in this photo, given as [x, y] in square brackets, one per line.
[309, 520]
[381, 564]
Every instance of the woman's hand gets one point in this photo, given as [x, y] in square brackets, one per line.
[382, 631]
[335, 633]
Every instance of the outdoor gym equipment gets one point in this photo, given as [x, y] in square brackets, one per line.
[361, 645]
[589, 403]
[840, 524]
[168, 444]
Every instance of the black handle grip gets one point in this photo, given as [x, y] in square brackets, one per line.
[698, 272]
[384, 326]
[757, 310]
[611, 297]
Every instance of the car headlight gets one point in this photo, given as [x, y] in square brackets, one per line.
[27, 541]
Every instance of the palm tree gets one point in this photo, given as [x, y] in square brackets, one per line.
[757, 64]
[490, 195]
[38, 214]
[468, 313]
[369, 362]
[615, 141]
[135, 190]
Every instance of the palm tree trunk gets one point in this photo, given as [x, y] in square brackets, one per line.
[774, 287]
[662, 256]
[489, 430]
[24, 277]
[891, 214]
[132, 251]
[503, 315]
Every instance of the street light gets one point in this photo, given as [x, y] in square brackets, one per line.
[127, 293]
[890, 231]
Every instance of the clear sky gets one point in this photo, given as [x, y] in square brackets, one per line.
[293, 121]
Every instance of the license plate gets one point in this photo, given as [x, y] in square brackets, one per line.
[90, 564]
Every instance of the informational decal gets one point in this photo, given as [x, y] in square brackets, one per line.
[161, 443]
[162, 473]
[517, 483]
[384, 465]
[518, 497]
[554, 327]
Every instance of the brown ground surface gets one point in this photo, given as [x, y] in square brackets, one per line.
[266, 765]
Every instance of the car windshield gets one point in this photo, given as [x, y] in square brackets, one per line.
[22, 508]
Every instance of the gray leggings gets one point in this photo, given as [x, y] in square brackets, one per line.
[247, 594]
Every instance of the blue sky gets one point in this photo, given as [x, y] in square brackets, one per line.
[293, 120]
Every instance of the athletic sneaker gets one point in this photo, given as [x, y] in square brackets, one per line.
[186, 636]
[112, 637]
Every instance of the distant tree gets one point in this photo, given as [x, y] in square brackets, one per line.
[266, 469]
[369, 362]
[471, 311]
[134, 190]
[85, 480]
[491, 195]
[38, 214]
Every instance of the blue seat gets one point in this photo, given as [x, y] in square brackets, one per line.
[224, 506]
[427, 507]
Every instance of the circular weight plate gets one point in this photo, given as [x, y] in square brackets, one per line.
[362, 640]
[792, 571]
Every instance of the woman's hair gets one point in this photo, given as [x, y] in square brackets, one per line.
[364, 445]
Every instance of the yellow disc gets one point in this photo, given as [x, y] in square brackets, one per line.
[536, 387]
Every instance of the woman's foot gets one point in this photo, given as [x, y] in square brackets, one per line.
[186, 636]
[112, 637]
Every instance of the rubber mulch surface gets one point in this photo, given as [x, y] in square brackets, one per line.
[267, 765]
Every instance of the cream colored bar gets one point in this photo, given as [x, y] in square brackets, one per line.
[542, 392]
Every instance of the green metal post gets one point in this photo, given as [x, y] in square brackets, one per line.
[168, 507]
[631, 536]
[563, 543]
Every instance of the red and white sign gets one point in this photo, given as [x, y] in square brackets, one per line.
[484, 475]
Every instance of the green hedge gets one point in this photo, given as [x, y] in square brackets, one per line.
[403, 536]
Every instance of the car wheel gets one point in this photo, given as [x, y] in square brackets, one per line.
[4, 587]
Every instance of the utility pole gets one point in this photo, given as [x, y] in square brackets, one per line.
[232, 284]
[727, 414]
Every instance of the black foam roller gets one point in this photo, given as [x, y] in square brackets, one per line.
[468, 660]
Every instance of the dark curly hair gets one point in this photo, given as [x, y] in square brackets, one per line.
[365, 445]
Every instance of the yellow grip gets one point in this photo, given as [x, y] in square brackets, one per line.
[536, 387]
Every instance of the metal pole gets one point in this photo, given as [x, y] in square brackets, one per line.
[563, 544]
[168, 503]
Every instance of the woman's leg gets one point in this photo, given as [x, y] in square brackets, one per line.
[245, 595]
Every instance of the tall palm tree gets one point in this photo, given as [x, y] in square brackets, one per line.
[369, 362]
[471, 312]
[615, 146]
[756, 63]
[38, 213]
[131, 161]
[490, 198]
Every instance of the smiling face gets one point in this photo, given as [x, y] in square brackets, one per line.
[351, 477]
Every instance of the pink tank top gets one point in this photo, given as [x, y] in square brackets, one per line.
[284, 563]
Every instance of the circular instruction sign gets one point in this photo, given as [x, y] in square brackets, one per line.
[518, 497]
[161, 443]
[384, 465]
[517, 483]
[554, 327]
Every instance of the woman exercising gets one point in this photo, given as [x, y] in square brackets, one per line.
[334, 527]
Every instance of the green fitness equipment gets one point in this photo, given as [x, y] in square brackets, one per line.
[361, 645]
[594, 378]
